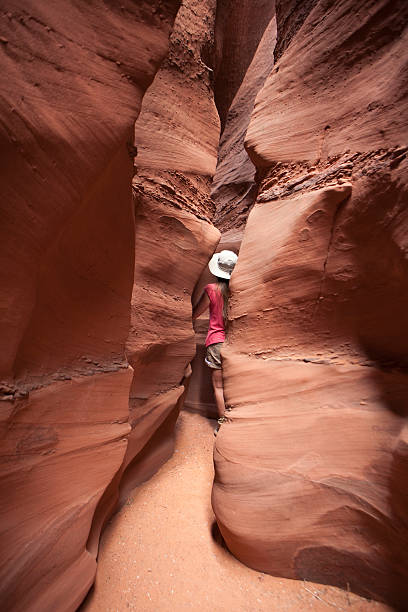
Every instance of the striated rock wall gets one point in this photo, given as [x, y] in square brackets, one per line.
[176, 136]
[234, 188]
[73, 76]
[310, 468]
[239, 27]
[173, 246]
[245, 37]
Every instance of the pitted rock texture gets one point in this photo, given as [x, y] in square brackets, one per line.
[311, 465]
[176, 137]
[178, 128]
[73, 76]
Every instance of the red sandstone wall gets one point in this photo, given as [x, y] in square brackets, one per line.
[239, 26]
[234, 188]
[176, 135]
[73, 76]
[316, 357]
[245, 38]
[310, 470]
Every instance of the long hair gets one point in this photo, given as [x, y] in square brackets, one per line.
[223, 288]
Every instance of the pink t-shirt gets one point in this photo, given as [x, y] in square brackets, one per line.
[216, 329]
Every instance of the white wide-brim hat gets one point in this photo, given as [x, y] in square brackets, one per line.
[222, 264]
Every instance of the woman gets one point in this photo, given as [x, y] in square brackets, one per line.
[215, 297]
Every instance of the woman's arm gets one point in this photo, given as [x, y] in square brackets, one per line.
[201, 305]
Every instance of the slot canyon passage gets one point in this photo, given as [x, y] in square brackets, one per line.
[137, 138]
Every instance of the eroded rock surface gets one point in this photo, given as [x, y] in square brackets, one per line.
[234, 188]
[73, 76]
[172, 247]
[176, 135]
[240, 71]
[310, 470]
[239, 27]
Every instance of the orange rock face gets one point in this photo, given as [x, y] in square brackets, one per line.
[310, 468]
[72, 82]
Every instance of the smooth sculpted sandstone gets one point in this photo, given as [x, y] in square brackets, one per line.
[239, 28]
[172, 248]
[234, 188]
[338, 87]
[176, 136]
[73, 76]
[310, 470]
[240, 71]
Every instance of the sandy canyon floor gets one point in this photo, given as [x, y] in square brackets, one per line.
[162, 552]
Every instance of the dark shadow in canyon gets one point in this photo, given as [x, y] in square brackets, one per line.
[217, 537]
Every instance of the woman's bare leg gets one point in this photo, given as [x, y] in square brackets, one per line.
[218, 391]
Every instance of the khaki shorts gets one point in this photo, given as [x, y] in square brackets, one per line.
[213, 356]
